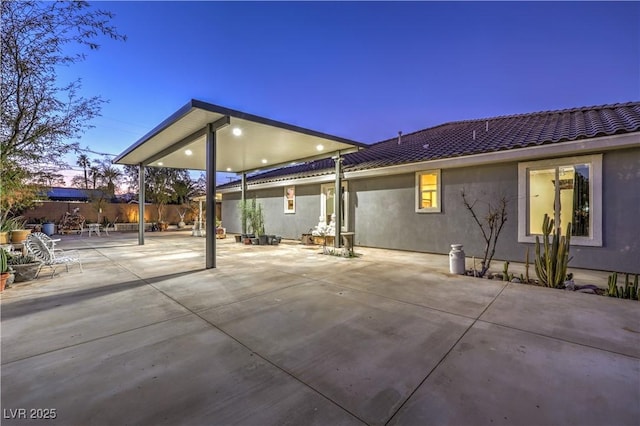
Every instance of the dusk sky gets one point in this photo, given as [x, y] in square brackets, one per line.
[360, 70]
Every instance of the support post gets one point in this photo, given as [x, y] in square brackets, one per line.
[337, 200]
[210, 229]
[141, 198]
[243, 198]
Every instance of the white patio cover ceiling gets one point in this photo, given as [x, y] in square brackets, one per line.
[261, 144]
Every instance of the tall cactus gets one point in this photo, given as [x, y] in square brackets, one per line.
[552, 258]
[4, 266]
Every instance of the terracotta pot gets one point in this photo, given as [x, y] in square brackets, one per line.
[3, 280]
[4, 237]
[19, 235]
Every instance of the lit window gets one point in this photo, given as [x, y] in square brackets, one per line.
[568, 190]
[428, 191]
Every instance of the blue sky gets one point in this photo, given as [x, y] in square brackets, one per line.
[360, 70]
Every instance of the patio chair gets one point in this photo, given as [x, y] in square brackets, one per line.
[50, 242]
[50, 257]
[111, 226]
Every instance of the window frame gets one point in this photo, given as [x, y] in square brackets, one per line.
[418, 194]
[595, 197]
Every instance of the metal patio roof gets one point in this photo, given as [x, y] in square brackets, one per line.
[262, 143]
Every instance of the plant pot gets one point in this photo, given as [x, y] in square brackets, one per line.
[49, 228]
[181, 224]
[4, 237]
[163, 226]
[19, 235]
[263, 239]
[238, 238]
[255, 241]
[247, 241]
[3, 280]
[26, 271]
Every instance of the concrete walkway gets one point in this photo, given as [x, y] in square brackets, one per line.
[284, 335]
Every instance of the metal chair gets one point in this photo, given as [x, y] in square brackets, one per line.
[110, 225]
[47, 256]
[50, 242]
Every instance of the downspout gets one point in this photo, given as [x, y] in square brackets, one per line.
[141, 199]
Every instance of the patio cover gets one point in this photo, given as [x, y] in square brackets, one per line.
[263, 143]
[203, 136]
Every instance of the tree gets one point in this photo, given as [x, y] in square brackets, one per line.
[17, 193]
[39, 115]
[47, 178]
[85, 163]
[94, 174]
[493, 220]
[110, 176]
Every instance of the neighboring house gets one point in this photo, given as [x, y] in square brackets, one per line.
[58, 193]
[405, 193]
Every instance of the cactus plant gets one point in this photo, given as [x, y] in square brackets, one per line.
[613, 285]
[629, 291]
[526, 267]
[552, 258]
[4, 265]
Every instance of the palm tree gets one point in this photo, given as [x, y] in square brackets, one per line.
[111, 175]
[84, 162]
[94, 173]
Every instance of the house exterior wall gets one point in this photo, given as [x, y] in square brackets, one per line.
[386, 217]
[382, 213]
[275, 220]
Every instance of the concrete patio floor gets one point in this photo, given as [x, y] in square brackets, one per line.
[284, 335]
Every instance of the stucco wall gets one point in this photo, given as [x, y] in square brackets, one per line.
[382, 213]
[386, 217]
[275, 220]
[621, 216]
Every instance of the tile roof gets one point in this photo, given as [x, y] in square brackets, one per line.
[462, 138]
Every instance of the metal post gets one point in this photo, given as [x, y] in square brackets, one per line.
[337, 200]
[244, 199]
[141, 197]
[211, 198]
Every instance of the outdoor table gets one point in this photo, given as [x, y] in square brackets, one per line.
[94, 227]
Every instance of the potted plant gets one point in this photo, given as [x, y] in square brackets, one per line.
[220, 231]
[181, 213]
[4, 269]
[4, 231]
[25, 267]
[253, 216]
[18, 231]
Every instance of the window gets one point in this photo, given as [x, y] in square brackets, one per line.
[568, 190]
[428, 191]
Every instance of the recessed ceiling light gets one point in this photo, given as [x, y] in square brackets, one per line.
[160, 163]
[188, 152]
[228, 169]
[264, 161]
[319, 147]
[237, 131]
